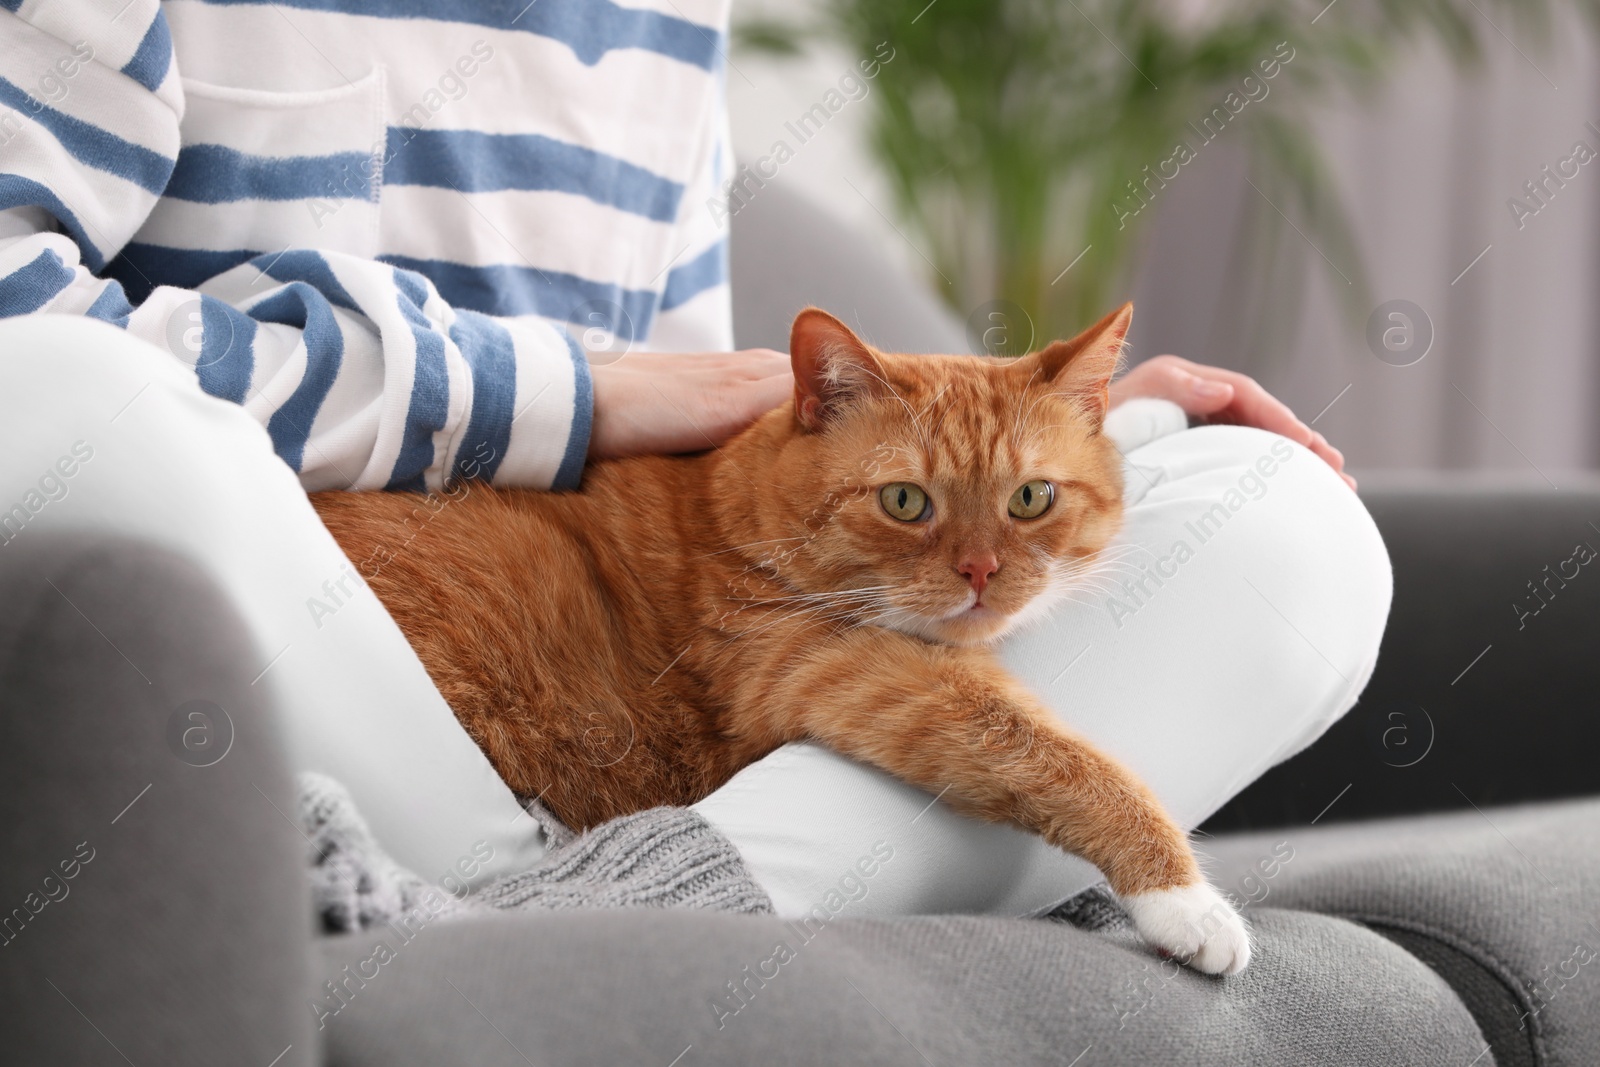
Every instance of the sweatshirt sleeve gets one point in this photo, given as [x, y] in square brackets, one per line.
[362, 375]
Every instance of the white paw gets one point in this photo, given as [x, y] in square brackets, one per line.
[1194, 924]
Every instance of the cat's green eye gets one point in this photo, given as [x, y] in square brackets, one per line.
[1032, 500]
[904, 501]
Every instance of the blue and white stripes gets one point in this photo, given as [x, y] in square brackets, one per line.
[373, 224]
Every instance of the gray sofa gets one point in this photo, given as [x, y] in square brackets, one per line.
[1458, 937]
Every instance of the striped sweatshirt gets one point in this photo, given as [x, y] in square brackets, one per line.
[393, 229]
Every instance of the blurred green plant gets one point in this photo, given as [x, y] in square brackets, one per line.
[1017, 133]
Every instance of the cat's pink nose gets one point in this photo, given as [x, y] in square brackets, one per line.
[978, 570]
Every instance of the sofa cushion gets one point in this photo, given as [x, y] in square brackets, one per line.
[658, 987]
[1472, 687]
[1503, 902]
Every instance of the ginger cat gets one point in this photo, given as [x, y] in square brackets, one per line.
[834, 572]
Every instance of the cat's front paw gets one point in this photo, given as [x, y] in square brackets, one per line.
[1194, 924]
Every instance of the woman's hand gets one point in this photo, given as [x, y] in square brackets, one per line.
[649, 402]
[1218, 395]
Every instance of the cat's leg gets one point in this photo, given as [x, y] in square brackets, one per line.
[954, 723]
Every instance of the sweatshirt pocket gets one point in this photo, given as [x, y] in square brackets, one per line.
[263, 171]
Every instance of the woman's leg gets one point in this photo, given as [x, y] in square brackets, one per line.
[1239, 614]
[102, 432]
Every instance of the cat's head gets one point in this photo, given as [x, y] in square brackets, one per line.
[950, 497]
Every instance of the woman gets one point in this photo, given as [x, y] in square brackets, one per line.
[374, 232]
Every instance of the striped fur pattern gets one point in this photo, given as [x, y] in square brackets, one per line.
[638, 642]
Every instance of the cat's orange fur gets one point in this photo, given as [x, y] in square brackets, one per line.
[638, 642]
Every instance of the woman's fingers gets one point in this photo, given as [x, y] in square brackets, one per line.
[1208, 394]
[1194, 393]
[1162, 380]
[1248, 405]
[1254, 406]
[1332, 456]
[1220, 395]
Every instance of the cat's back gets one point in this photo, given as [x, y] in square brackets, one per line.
[601, 554]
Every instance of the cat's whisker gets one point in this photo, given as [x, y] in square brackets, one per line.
[1113, 554]
[752, 544]
[806, 618]
[1023, 417]
[1020, 419]
[852, 614]
[1098, 566]
[1089, 568]
[1114, 571]
[824, 597]
[922, 431]
[1096, 573]
[897, 450]
[828, 594]
[849, 609]
[935, 397]
[850, 623]
[1043, 429]
[1093, 585]
[823, 605]
[1111, 549]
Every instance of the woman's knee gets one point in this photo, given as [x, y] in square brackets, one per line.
[63, 343]
[1290, 538]
[67, 370]
[1300, 510]
[63, 378]
[73, 366]
[1312, 522]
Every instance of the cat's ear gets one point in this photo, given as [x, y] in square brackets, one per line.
[831, 367]
[1082, 368]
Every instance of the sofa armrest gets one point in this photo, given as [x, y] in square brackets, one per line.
[1485, 687]
[154, 886]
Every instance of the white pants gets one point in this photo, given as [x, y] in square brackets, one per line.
[1227, 661]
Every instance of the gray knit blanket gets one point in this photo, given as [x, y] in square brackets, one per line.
[661, 858]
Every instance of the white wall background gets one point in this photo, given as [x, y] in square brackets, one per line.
[765, 92]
